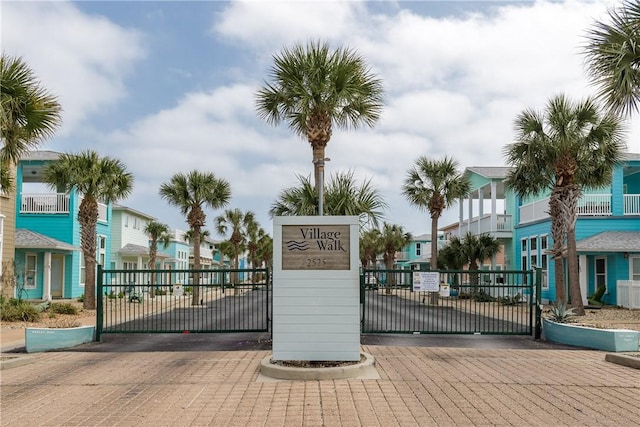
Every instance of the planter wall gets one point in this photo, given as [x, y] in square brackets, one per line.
[583, 336]
[45, 339]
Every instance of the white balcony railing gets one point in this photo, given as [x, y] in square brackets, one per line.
[503, 224]
[45, 203]
[594, 205]
[53, 203]
[588, 205]
[632, 204]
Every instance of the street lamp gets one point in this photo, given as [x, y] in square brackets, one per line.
[320, 163]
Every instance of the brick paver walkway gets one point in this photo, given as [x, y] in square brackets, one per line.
[418, 387]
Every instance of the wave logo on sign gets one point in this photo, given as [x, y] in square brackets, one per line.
[294, 245]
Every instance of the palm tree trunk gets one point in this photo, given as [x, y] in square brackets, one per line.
[88, 217]
[434, 254]
[195, 289]
[557, 234]
[573, 194]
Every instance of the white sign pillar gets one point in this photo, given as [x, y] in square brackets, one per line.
[316, 288]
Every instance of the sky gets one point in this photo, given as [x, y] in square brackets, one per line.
[169, 87]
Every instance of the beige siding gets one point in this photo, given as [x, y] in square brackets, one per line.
[8, 209]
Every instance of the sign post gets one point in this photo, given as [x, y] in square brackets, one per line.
[316, 295]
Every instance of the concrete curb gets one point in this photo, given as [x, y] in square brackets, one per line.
[362, 370]
[623, 359]
[14, 360]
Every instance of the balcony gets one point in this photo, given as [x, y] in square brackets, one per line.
[45, 204]
[501, 229]
[53, 204]
[588, 205]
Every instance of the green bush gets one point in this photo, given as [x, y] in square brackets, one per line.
[14, 310]
[510, 300]
[63, 308]
[81, 298]
[482, 296]
[160, 292]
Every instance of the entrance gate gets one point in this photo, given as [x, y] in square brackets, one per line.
[482, 302]
[239, 300]
[162, 301]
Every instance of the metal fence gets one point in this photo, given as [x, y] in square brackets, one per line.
[149, 301]
[468, 302]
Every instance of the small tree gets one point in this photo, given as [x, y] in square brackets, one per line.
[393, 239]
[158, 234]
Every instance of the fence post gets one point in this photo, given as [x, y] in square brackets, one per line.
[100, 307]
[538, 284]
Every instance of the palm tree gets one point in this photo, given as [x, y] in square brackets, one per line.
[393, 239]
[238, 222]
[314, 88]
[254, 234]
[343, 197]
[477, 248]
[265, 250]
[568, 147]
[158, 234]
[452, 257]
[29, 114]
[96, 179]
[370, 246]
[435, 185]
[191, 193]
[613, 58]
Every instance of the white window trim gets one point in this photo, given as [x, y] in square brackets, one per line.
[34, 256]
[595, 272]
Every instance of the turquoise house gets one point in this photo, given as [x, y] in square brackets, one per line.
[49, 262]
[607, 230]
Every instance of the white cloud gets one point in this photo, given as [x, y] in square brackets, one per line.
[454, 87]
[80, 58]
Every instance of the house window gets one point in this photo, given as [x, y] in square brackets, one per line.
[126, 220]
[635, 268]
[533, 244]
[601, 272]
[524, 246]
[136, 224]
[418, 249]
[83, 271]
[30, 271]
[102, 250]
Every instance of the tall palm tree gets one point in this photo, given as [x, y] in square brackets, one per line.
[158, 234]
[370, 246]
[29, 114]
[95, 178]
[314, 88]
[613, 57]
[237, 222]
[343, 197]
[393, 239]
[568, 147]
[435, 185]
[191, 193]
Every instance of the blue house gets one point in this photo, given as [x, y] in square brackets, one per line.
[607, 235]
[49, 262]
[607, 230]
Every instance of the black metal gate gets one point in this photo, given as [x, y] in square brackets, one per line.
[180, 301]
[469, 302]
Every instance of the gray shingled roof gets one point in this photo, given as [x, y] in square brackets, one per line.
[134, 250]
[490, 171]
[27, 239]
[41, 155]
[611, 241]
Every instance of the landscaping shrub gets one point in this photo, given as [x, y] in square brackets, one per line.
[63, 308]
[14, 310]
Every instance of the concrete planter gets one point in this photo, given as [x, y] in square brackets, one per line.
[582, 336]
[46, 339]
